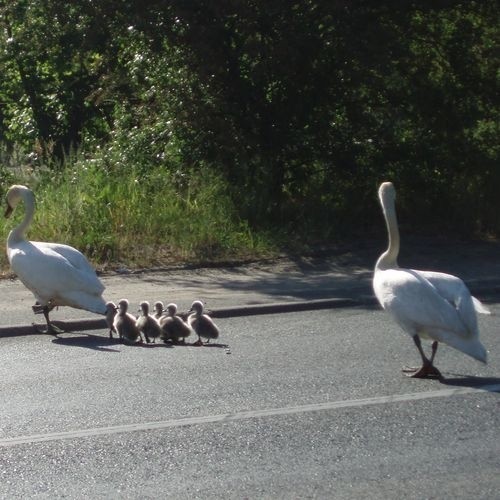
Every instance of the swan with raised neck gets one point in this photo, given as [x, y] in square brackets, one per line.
[425, 304]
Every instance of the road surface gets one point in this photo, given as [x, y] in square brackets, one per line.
[298, 405]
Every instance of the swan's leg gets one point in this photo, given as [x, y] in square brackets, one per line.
[427, 369]
[51, 329]
[198, 342]
[434, 349]
[418, 343]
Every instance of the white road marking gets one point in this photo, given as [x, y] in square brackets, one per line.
[243, 415]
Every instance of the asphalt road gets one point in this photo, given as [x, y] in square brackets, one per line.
[298, 405]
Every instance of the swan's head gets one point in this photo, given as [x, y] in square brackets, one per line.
[111, 307]
[110, 312]
[123, 306]
[144, 307]
[158, 307]
[197, 307]
[14, 195]
[172, 309]
[387, 193]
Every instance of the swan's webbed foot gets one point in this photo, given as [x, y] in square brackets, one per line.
[410, 369]
[427, 370]
[50, 330]
[197, 343]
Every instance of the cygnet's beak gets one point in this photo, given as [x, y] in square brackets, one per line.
[8, 211]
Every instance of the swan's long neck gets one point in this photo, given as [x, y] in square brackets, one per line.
[17, 234]
[389, 259]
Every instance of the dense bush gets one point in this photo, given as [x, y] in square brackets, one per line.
[292, 113]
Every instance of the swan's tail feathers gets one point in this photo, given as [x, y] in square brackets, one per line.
[80, 300]
[479, 352]
[470, 346]
[480, 307]
[99, 306]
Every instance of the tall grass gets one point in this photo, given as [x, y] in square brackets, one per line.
[136, 217]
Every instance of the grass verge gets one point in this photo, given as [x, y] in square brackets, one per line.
[135, 217]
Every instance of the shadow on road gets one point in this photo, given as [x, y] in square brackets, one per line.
[460, 380]
[89, 341]
[214, 344]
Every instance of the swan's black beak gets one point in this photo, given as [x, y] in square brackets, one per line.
[8, 211]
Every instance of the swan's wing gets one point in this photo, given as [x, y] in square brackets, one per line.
[182, 327]
[480, 307]
[83, 272]
[447, 285]
[456, 292]
[207, 325]
[453, 289]
[49, 274]
[72, 255]
[416, 304]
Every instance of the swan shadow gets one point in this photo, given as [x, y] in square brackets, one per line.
[152, 345]
[472, 381]
[215, 344]
[89, 341]
[193, 344]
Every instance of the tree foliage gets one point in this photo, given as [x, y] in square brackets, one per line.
[302, 107]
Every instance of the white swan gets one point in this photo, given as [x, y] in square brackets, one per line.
[202, 324]
[425, 304]
[56, 274]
